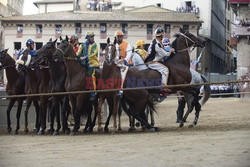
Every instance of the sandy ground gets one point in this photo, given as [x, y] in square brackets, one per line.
[221, 138]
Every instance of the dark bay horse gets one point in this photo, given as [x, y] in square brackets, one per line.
[15, 86]
[31, 87]
[178, 63]
[75, 81]
[57, 72]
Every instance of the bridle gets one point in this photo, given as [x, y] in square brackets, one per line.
[186, 40]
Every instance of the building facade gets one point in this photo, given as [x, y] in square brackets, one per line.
[47, 6]
[242, 32]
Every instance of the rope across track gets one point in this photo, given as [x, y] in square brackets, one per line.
[124, 89]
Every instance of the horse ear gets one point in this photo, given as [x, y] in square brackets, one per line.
[54, 41]
[67, 38]
[61, 38]
[50, 40]
[5, 51]
[181, 30]
[108, 40]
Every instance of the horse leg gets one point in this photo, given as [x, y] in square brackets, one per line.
[29, 101]
[119, 116]
[197, 111]
[180, 109]
[65, 114]
[110, 103]
[52, 117]
[79, 99]
[115, 110]
[101, 101]
[43, 113]
[57, 112]
[18, 114]
[11, 104]
[152, 117]
[37, 126]
[95, 116]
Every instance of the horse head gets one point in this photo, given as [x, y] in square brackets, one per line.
[45, 53]
[191, 40]
[110, 51]
[3, 58]
[64, 51]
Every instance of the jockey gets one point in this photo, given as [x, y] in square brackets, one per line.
[140, 49]
[30, 47]
[73, 39]
[157, 54]
[124, 48]
[124, 52]
[88, 57]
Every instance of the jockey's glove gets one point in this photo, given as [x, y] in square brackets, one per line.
[20, 62]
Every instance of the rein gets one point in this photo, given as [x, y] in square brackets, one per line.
[186, 38]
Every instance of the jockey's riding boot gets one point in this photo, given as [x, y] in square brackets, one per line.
[92, 96]
[165, 89]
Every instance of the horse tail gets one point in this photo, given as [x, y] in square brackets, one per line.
[151, 103]
[207, 91]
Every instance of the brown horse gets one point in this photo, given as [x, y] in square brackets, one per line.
[75, 81]
[179, 67]
[31, 87]
[57, 71]
[15, 86]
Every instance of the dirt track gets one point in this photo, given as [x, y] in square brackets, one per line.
[221, 138]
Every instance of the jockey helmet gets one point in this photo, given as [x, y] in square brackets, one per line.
[119, 33]
[165, 41]
[140, 43]
[159, 32]
[89, 34]
[73, 37]
[29, 41]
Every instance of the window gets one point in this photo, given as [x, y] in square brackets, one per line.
[167, 30]
[185, 28]
[158, 5]
[125, 30]
[39, 45]
[228, 25]
[19, 28]
[103, 30]
[19, 31]
[17, 45]
[39, 30]
[78, 28]
[58, 29]
[149, 31]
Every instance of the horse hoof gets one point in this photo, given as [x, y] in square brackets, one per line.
[85, 131]
[26, 130]
[143, 128]
[41, 132]
[191, 126]
[51, 131]
[131, 129]
[137, 124]
[106, 130]
[72, 133]
[56, 133]
[100, 129]
[152, 129]
[15, 132]
[181, 125]
[9, 129]
[157, 129]
[90, 130]
[119, 129]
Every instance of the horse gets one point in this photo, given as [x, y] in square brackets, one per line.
[15, 86]
[75, 81]
[193, 100]
[137, 100]
[57, 72]
[31, 87]
[178, 64]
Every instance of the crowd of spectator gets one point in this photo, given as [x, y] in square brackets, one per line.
[226, 88]
[99, 5]
[188, 9]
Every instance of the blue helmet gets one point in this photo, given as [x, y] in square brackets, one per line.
[29, 41]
